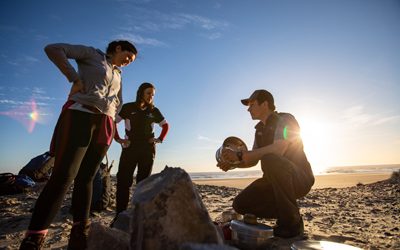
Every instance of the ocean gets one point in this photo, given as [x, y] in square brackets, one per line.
[378, 169]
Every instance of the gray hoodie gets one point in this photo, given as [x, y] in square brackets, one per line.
[102, 82]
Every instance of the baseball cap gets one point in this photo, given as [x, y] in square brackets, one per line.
[260, 95]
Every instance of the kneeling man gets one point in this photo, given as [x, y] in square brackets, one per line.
[287, 174]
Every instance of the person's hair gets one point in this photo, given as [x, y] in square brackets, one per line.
[140, 93]
[271, 105]
[266, 96]
[125, 46]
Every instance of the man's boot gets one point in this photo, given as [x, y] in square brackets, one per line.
[32, 242]
[289, 230]
[79, 235]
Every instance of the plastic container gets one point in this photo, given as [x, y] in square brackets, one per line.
[251, 236]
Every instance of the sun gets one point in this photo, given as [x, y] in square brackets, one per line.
[317, 139]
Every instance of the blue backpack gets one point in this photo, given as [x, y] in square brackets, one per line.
[24, 182]
[39, 168]
[15, 184]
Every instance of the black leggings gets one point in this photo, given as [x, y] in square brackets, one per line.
[141, 156]
[77, 158]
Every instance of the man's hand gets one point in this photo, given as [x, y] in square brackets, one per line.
[77, 86]
[224, 166]
[229, 156]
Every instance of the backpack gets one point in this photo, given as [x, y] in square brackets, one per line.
[101, 197]
[15, 184]
[24, 182]
[39, 168]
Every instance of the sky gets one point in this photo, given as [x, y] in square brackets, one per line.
[334, 65]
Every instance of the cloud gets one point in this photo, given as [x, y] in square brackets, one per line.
[217, 5]
[212, 36]
[149, 20]
[16, 97]
[383, 120]
[13, 102]
[39, 37]
[16, 103]
[38, 90]
[31, 59]
[137, 39]
[207, 139]
[13, 63]
[184, 20]
[356, 116]
[24, 60]
[204, 22]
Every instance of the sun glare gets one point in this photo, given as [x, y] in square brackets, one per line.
[28, 115]
[34, 116]
[317, 139]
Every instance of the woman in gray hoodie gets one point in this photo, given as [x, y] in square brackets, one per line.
[82, 136]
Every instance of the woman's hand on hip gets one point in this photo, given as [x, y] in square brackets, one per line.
[77, 86]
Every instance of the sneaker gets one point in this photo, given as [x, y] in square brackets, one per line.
[78, 236]
[285, 231]
[32, 242]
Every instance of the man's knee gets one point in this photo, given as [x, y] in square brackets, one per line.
[238, 205]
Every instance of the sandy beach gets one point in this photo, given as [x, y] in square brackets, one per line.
[361, 210]
[321, 181]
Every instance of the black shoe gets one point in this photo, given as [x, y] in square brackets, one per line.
[289, 231]
[32, 242]
[114, 220]
[79, 235]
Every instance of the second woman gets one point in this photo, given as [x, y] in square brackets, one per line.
[138, 147]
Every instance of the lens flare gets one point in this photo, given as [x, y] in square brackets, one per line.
[27, 114]
[34, 116]
[285, 132]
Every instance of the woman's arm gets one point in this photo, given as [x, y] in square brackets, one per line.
[59, 53]
[165, 127]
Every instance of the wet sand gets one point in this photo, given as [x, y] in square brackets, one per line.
[321, 181]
